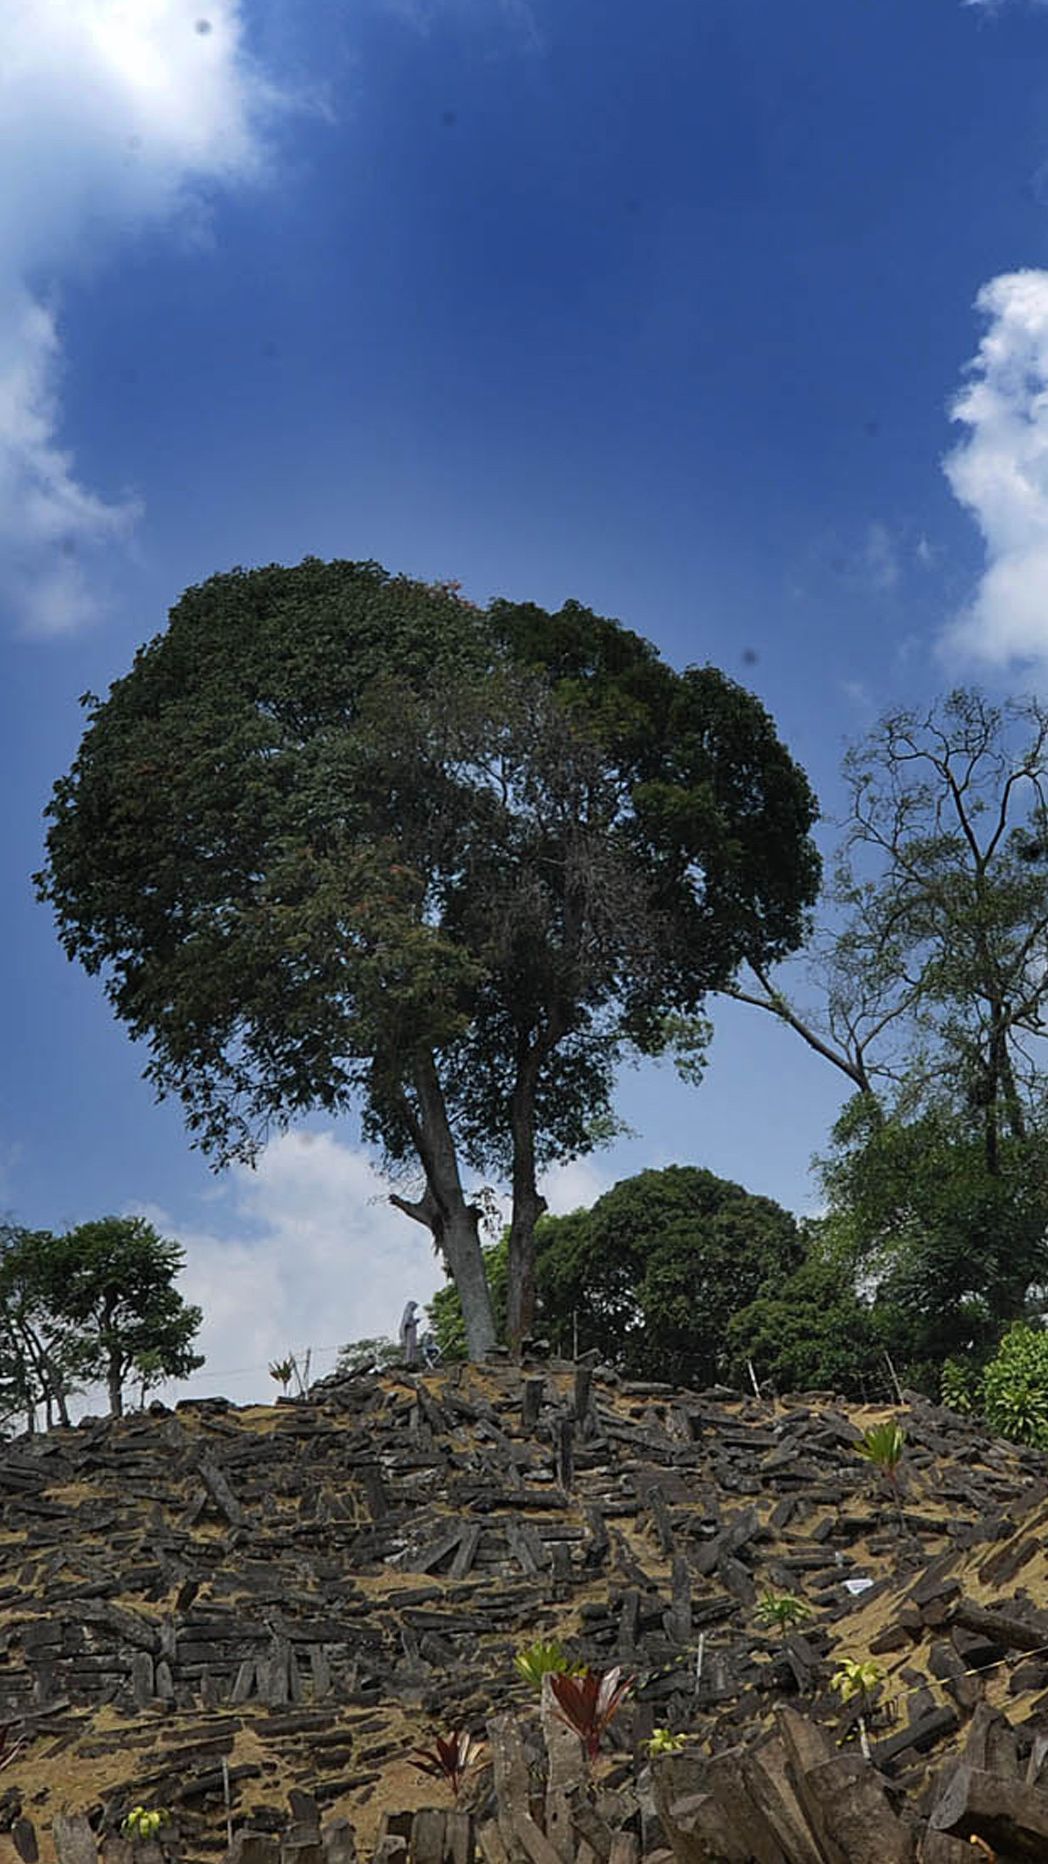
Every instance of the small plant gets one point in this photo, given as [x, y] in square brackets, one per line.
[1015, 1387]
[283, 1371]
[449, 1759]
[145, 1824]
[589, 1703]
[547, 1658]
[959, 1386]
[858, 1680]
[782, 1611]
[663, 1741]
[882, 1446]
[856, 1677]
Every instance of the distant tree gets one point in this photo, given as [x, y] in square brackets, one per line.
[929, 968]
[111, 1283]
[950, 1241]
[340, 838]
[368, 1355]
[815, 1331]
[932, 984]
[653, 1274]
[37, 1346]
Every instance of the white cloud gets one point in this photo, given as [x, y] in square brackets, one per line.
[112, 112]
[310, 1255]
[999, 472]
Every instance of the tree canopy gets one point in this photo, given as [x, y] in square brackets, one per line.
[342, 839]
[93, 1305]
[653, 1273]
[932, 1000]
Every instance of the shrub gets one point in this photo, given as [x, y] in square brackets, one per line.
[1015, 1387]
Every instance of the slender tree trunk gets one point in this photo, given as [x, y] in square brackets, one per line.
[49, 1375]
[115, 1383]
[453, 1222]
[528, 1207]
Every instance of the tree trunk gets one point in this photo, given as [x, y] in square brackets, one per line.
[528, 1207]
[453, 1223]
[520, 1282]
[115, 1383]
[49, 1376]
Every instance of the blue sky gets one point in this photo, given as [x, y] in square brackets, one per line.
[729, 317]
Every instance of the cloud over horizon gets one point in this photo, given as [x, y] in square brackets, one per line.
[112, 112]
[999, 473]
[309, 1254]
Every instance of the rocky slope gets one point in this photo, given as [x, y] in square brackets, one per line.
[212, 1609]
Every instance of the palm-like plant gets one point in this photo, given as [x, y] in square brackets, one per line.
[449, 1758]
[589, 1703]
[882, 1446]
[282, 1370]
[545, 1658]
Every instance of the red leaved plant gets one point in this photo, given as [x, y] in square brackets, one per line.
[589, 1703]
[448, 1759]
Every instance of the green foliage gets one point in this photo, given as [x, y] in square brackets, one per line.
[38, 1357]
[372, 1355]
[959, 1386]
[112, 1281]
[950, 1248]
[143, 1823]
[589, 1703]
[883, 1445]
[782, 1611]
[934, 998]
[449, 1759]
[1015, 1387]
[545, 1658]
[664, 1741]
[814, 1331]
[283, 1371]
[857, 1677]
[342, 839]
[658, 1267]
[98, 1303]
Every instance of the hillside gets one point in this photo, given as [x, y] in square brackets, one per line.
[302, 1592]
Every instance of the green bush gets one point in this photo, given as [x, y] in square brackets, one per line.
[1015, 1387]
[959, 1385]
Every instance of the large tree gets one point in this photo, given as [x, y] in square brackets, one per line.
[932, 981]
[929, 970]
[339, 838]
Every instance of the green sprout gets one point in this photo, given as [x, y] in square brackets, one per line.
[145, 1824]
[858, 1678]
[545, 1658]
[663, 1741]
[782, 1611]
[282, 1370]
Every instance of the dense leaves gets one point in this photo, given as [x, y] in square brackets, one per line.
[339, 839]
[814, 1331]
[97, 1304]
